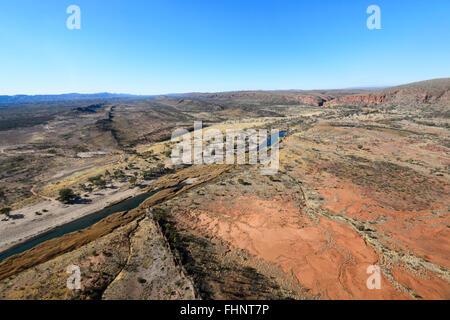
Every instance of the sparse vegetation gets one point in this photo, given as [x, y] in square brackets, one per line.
[97, 181]
[67, 195]
[6, 211]
[243, 182]
[85, 188]
[132, 180]
[155, 172]
[118, 174]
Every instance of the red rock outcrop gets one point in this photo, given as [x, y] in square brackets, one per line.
[361, 99]
[431, 91]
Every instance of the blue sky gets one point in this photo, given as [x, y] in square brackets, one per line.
[156, 46]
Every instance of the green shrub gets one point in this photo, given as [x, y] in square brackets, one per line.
[6, 211]
[66, 195]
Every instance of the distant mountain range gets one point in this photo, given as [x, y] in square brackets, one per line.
[429, 91]
[60, 97]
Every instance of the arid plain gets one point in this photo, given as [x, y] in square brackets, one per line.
[363, 180]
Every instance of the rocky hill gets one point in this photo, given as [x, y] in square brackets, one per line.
[424, 92]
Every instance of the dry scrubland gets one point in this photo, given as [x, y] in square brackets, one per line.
[363, 180]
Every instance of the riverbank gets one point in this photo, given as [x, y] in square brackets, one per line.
[35, 219]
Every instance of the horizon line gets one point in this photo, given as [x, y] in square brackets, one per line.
[188, 92]
[372, 87]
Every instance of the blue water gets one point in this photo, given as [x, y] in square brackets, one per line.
[273, 137]
[76, 225]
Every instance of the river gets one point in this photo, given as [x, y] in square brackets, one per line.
[75, 225]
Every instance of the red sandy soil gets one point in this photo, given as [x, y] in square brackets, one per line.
[425, 284]
[316, 252]
[421, 233]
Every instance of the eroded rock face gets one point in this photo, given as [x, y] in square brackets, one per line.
[426, 92]
[99, 262]
[150, 272]
[133, 262]
[361, 99]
